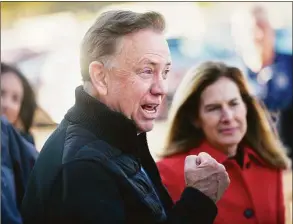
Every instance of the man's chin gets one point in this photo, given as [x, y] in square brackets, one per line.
[145, 126]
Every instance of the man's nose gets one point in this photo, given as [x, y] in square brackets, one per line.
[159, 86]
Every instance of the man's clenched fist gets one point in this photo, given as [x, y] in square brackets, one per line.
[207, 175]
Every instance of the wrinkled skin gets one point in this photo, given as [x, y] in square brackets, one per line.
[137, 82]
[207, 175]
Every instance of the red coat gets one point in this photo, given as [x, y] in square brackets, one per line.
[255, 194]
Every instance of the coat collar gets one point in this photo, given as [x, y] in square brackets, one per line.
[110, 126]
[249, 154]
[219, 156]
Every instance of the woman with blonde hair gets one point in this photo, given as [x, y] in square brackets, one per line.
[213, 112]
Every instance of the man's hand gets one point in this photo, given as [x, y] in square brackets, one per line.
[207, 175]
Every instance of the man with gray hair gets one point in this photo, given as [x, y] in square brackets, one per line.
[96, 167]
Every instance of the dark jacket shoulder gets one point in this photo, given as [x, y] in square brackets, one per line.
[95, 169]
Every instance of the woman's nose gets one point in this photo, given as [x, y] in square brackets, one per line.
[5, 103]
[227, 114]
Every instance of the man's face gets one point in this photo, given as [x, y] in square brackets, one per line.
[137, 82]
[263, 36]
[256, 40]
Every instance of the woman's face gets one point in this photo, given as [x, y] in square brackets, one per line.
[11, 96]
[222, 114]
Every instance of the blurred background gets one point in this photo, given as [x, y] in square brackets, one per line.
[42, 39]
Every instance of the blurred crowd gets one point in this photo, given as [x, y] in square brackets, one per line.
[38, 83]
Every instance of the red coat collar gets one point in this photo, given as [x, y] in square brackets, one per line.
[249, 154]
[218, 155]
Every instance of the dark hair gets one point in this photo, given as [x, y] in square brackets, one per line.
[101, 40]
[28, 104]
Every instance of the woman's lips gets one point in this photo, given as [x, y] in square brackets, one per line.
[227, 130]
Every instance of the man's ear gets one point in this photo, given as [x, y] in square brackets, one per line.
[98, 77]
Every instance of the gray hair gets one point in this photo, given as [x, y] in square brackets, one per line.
[100, 43]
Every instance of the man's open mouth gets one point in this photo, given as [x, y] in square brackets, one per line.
[150, 108]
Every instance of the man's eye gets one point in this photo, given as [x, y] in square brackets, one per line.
[147, 71]
[165, 74]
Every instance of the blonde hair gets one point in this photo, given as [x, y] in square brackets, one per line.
[182, 135]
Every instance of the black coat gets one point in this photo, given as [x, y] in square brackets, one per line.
[95, 169]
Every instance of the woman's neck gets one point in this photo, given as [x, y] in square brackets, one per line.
[229, 150]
